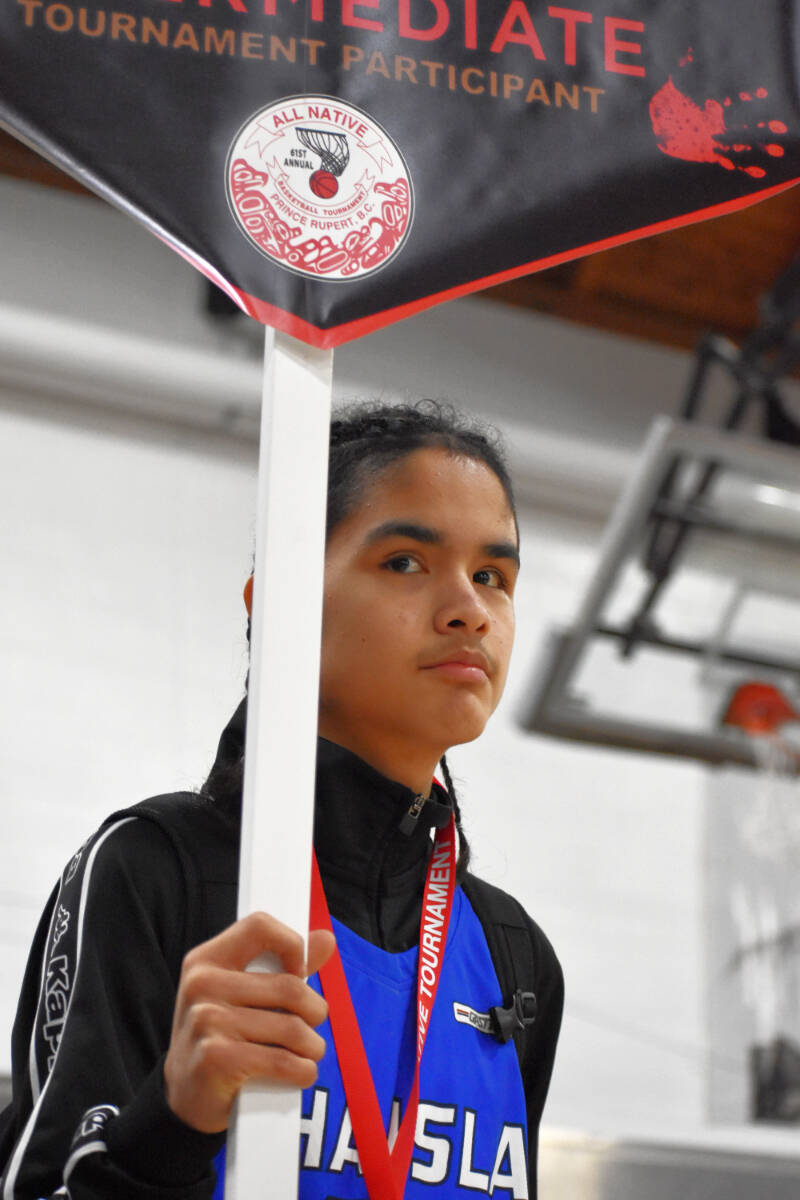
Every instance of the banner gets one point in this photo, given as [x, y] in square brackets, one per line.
[335, 165]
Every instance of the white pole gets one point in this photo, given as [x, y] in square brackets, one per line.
[278, 805]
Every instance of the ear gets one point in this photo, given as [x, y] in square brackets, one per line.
[248, 596]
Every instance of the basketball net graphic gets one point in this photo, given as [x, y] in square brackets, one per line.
[334, 155]
[332, 148]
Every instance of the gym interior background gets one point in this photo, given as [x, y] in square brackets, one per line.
[128, 419]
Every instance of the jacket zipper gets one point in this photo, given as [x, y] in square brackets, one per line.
[409, 821]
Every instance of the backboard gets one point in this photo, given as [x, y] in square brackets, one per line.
[650, 665]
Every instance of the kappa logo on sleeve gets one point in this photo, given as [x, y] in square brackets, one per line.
[61, 924]
[468, 1016]
[56, 1003]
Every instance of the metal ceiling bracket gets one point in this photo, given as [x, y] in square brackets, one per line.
[551, 706]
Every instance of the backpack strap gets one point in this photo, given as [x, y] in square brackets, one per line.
[524, 966]
[511, 947]
[207, 846]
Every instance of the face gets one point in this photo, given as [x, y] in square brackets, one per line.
[418, 619]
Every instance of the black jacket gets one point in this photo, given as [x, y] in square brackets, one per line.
[89, 1112]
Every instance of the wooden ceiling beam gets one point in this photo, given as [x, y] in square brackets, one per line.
[674, 287]
[610, 314]
[19, 162]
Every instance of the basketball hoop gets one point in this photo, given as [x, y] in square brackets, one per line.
[766, 715]
[759, 709]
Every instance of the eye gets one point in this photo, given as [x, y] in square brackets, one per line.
[490, 577]
[402, 564]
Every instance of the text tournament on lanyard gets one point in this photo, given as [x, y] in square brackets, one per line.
[385, 1173]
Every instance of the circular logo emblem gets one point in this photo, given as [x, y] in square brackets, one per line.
[318, 187]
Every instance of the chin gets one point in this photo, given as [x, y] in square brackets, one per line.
[461, 741]
[467, 730]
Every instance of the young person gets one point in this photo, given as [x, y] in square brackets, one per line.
[138, 1023]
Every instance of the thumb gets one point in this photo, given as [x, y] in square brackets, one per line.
[321, 945]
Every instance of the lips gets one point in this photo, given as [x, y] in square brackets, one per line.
[468, 666]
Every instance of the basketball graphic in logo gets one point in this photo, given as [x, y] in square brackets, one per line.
[323, 184]
[320, 188]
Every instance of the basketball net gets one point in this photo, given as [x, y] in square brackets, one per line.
[765, 714]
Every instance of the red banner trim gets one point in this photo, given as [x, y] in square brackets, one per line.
[337, 335]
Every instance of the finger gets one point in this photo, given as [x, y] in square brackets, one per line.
[212, 1025]
[321, 945]
[247, 938]
[205, 983]
[221, 1066]
[270, 1028]
[248, 1061]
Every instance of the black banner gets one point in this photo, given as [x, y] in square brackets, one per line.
[335, 165]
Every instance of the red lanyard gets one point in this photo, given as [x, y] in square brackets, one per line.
[384, 1173]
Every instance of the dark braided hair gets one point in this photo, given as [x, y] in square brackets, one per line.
[464, 849]
[365, 439]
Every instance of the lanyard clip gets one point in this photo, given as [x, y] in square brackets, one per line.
[520, 1013]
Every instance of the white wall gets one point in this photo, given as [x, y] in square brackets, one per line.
[125, 542]
[604, 848]
[126, 548]
[124, 551]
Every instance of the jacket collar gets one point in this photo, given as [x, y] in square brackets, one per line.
[358, 815]
[359, 826]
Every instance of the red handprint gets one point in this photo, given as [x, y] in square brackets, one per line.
[703, 134]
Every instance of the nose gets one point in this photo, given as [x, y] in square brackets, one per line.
[461, 607]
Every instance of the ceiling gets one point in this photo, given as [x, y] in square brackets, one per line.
[668, 289]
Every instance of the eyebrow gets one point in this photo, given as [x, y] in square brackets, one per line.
[502, 550]
[432, 537]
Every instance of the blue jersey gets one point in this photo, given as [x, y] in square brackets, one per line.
[471, 1133]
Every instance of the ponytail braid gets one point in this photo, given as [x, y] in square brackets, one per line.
[464, 851]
